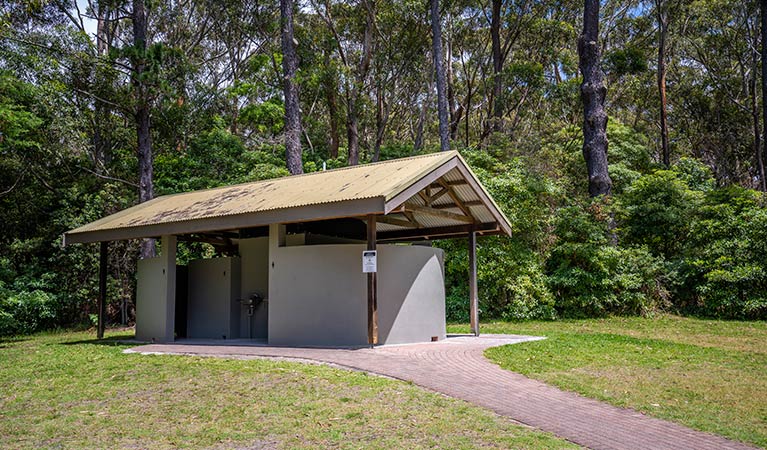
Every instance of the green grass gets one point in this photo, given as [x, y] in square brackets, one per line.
[64, 390]
[706, 374]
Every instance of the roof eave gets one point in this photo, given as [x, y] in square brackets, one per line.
[350, 208]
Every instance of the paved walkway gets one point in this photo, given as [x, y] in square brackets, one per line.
[457, 367]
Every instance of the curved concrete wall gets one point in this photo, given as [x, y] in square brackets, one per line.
[318, 295]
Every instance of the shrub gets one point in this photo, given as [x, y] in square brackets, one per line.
[589, 277]
[510, 275]
[457, 303]
[725, 267]
[655, 211]
[26, 312]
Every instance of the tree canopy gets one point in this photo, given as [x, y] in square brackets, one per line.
[105, 103]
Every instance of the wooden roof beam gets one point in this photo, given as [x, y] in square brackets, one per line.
[438, 213]
[397, 222]
[457, 200]
[469, 203]
[439, 232]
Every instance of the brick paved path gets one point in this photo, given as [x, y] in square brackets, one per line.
[457, 367]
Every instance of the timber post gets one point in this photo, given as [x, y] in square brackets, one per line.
[473, 297]
[103, 258]
[372, 286]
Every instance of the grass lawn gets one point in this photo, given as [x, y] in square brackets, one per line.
[709, 375]
[65, 391]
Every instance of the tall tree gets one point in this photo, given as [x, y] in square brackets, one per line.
[593, 93]
[142, 113]
[290, 89]
[662, 17]
[439, 70]
[760, 156]
[495, 38]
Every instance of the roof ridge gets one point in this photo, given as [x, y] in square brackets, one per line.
[302, 175]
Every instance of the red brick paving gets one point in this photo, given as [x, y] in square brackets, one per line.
[457, 367]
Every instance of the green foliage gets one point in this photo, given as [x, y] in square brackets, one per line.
[215, 158]
[656, 211]
[26, 312]
[591, 278]
[510, 271]
[695, 174]
[725, 266]
[265, 117]
[626, 61]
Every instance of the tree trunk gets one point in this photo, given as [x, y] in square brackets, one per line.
[142, 117]
[418, 142]
[331, 90]
[761, 157]
[382, 120]
[456, 112]
[102, 110]
[753, 84]
[593, 92]
[290, 89]
[495, 36]
[334, 140]
[439, 69]
[352, 131]
[353, 100]
[662, 14]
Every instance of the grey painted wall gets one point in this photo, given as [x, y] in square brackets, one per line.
[411, 294]
[254, 254]
[315, 297]
[214, 287]
[150, 304]
[318, 295]
[156, 295]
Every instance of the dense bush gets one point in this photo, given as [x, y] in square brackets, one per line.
[509, 271]
[666, 240]
[591, 277]
[656, 212]
[724, 264]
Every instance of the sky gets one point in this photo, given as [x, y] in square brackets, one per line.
[90, 24]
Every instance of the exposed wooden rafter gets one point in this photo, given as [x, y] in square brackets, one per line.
[438, 213]
[449, 183]
[453, 205]
[389, 220]
[460, 203]
[411, 217]
[439, 232]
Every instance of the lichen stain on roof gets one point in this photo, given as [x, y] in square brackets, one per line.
[384, 179]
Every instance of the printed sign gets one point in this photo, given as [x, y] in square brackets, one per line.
[369, 263]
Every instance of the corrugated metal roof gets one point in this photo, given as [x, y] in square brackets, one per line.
[385, 180]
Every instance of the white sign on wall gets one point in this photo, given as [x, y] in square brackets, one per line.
[369, 263]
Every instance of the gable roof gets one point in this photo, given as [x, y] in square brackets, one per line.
[393, 188]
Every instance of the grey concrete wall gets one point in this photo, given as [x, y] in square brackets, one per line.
[150, 303]
[254, 255]
[156, 295]
[214, 287]
[318, 295]
[411, 294]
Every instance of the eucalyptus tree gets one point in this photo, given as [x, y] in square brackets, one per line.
[593, 93]
[761, 153]
[720, 97]
[353, 28]
[290, 88]
[439, 74]
[399, 69]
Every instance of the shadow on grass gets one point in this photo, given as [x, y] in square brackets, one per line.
[108, 341]
[12, 340]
